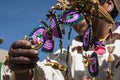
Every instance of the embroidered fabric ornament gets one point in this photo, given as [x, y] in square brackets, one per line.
[48, 46]
[48, 32]
[93, 68]
[100, 49]
[41, 37]
[71, 17]
[54, 24]
[86, 38]
[36, 37]
[49, 39]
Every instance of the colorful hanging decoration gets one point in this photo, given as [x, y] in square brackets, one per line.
[48, 46]
[54, 24]
[49, 39]
[86, 38]
[91, 10]
[71, 17]
[100, 48]
[36, 37]
[93, 68]
[41, 37]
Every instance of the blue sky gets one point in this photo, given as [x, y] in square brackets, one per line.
[19, 17]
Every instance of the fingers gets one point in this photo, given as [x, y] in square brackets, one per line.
[22, 56]
[23, 60]
[21, 44]
[23, 52]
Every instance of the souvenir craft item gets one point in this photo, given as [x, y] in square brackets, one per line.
[93, 68]
[36, 37]
[55, 65]
[100, 48]
[48, 46]
[41, 37]
[54, 24]
[71, 17]
[110, 50]
[49, 38]
[86, 38]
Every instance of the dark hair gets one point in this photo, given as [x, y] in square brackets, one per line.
[115, 12]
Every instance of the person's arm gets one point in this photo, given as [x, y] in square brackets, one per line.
[27, 75]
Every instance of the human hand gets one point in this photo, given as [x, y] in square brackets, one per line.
[22, 57]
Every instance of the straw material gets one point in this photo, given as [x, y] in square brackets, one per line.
[117, 3]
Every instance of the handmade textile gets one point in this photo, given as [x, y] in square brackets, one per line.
[75, 64]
